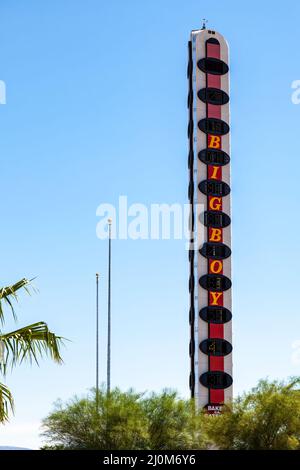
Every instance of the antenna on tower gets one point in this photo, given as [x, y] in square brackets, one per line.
[204, 23]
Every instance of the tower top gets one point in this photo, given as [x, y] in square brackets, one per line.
[204, 23]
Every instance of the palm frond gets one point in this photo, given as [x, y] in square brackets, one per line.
[6, 402]
[9, 294]
[29, 343]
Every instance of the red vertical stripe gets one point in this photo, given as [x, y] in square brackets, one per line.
[213, 81]
[216, 396]
[214, 234]
[213, 111]
[214, 172]
[215, 331]
[217, 362]
[213, 50]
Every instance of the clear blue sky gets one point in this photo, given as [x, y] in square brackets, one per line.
[96, 107]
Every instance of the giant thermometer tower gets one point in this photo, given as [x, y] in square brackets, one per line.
[210, 221]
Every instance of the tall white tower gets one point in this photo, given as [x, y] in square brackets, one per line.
[209, 195]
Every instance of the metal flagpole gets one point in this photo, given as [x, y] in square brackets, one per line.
[97, 342]
[109, 307]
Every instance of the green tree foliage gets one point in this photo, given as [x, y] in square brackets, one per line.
[123, 421]
[29, 343]
[172, 422]
[117, 423]
[267, 417]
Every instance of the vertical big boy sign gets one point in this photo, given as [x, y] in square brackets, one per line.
[209, 190]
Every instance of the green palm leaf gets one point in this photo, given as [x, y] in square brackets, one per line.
[6, 402]
[25, 344]
[29, 343]
[9, 293]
